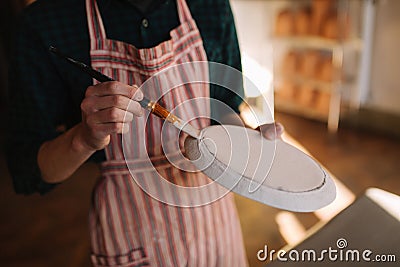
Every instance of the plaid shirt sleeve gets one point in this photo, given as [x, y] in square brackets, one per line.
[37, 103]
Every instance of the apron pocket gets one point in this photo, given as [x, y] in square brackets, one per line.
[135, 258]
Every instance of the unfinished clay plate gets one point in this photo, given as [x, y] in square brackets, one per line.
[271, 172]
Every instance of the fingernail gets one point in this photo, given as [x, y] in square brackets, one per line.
[269, 135]
[125, 128]
[279, 129]
[138, 95]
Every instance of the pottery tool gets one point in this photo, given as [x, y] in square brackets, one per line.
[152, 106]
[269, 171]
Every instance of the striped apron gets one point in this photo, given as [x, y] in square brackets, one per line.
[136, 219]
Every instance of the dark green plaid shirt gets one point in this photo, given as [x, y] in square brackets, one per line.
[46, 92]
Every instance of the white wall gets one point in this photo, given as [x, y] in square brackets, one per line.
[254, 23]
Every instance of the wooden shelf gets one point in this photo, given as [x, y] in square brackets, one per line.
[299, 80]
[315, 77]
[316, 42]
[292, 107]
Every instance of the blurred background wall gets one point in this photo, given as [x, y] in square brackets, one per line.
[277, 33]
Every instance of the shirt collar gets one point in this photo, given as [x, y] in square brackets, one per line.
[145, 6]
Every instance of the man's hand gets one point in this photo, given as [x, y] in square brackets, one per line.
[271, 131]
[108, 108]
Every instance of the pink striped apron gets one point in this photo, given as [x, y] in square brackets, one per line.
[130, 226]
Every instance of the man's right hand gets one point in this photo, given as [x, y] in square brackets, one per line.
[108, 108]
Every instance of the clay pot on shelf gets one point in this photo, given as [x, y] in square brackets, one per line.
[309, 63]
[335, 27]
[330, 27]
[286, 91]
[302, 22]
[284, 24]
[325, 69]
[305, 94]
[322, 102]
[290, 64]
[320, 9]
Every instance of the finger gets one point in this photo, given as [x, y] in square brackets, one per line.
[109, 115]
[115, 88]
[271, 131]
[94, 103]
[279, 129]
[113, 127]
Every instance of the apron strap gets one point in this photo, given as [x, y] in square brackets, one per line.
[183, 11]
[97, 33]
[96, 28]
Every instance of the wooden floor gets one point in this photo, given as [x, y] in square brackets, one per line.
[51, 230]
